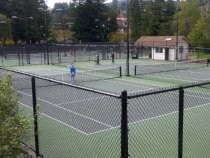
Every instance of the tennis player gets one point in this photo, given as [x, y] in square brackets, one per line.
[72, 71]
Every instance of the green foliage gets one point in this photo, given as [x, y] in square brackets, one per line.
[31, 23]
[200, 34]
[200, 54]
[136, 18]
[187, 16]
[151, 18]
[13, 126]
[116, 37]
[93, 21]
[5, 29]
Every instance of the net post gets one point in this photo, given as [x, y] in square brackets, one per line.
[135, 70]
[180, 123]
[124, 125]
[120, 71]
[35, 115]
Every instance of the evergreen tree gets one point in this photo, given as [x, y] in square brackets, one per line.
[93, 21]
[136, 20]
[5, 28]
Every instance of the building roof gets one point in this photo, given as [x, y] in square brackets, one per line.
[160, 41]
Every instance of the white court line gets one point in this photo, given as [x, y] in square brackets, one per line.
[130, 84]
[148, 119]
[69, 110]
[195, 72]
[77, 101]
[140, 82]
[194, 107]
[194, 95]
[143, 120]
[198, 91]
[172, 76]
[56, 120]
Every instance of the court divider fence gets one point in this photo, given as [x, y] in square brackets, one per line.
[59, 54]
[74, 121]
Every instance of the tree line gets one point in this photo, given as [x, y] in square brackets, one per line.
[31, 21]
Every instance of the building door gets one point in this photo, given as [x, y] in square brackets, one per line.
[166, 53]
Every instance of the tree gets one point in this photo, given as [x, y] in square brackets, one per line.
[93, 21]
[151, 18]
[13, 126]
[200, 34]
[116, 37]
[187, 16]
[166, 21]
[5, 28]
[136, 24]
[61, 21]
[29, 22]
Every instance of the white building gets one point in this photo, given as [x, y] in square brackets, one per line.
[164, 47]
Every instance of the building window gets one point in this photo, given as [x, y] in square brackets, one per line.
[159, 50]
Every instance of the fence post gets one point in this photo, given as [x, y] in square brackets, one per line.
[120, 71]
[48, 60]
[35, 116]
[180, 123]
[124, 126]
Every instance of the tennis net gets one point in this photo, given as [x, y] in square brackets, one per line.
[158, 68]
[156, 72]
[23, 81]
[87, 76]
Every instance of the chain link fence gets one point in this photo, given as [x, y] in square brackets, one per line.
[19, 55]
[60, 54]
[73, 121]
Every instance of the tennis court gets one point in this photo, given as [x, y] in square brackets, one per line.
[108, 79]
[62, 107]
[91, 118]
[71, 119]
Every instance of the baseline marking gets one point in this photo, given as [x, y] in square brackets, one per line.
[56, 120]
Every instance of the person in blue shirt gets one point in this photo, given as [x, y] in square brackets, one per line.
[72, 71]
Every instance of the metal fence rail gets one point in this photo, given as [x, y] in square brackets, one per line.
[19, 55]
[58, 54]
[73, 121]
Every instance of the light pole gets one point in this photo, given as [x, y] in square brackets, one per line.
[127, 58]
[177, 29]
[46, 32]
[62, 22]
[14, 17]
[26, 18]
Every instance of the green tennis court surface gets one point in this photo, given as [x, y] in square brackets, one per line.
[81, 119]
[70, 121]
[106, 77]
